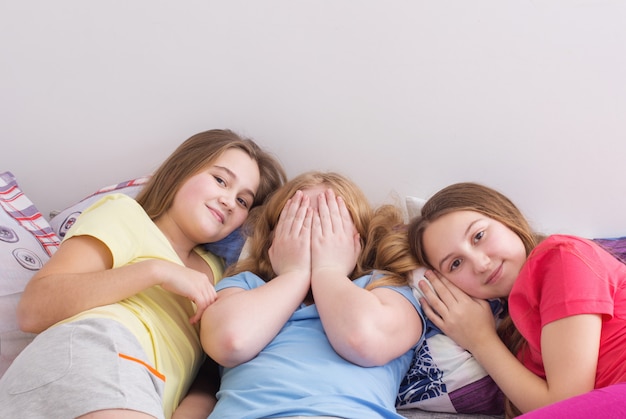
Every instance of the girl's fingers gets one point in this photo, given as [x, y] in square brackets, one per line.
[446, 290]
[346, 218]
[286, 215]
[300, 216]
[331, 201]
[432, 297]
[334, 214]
[456, 292]
[308, 220]
[325, 221]
[281, 219]
[432, 315]
[293, 215]
[339, 214]
[435, 280]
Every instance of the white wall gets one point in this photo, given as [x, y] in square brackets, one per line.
[403, 96]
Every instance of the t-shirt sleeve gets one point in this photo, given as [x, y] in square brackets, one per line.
[406, 292]
[116, 220]
[567, 279]
[243, 280]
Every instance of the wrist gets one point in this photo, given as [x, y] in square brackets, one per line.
[484, 345]
[296, 274]
[328, 272]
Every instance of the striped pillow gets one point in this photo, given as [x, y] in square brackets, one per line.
[26, 242]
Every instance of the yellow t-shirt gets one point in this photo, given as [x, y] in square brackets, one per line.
[158, 318]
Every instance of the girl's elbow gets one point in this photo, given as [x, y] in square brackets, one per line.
[222, 355]
[28, 322]
[29, 312]
[370, 347]
[228, 351]
[363, 349]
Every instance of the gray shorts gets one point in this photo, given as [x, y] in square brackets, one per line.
[80, 367]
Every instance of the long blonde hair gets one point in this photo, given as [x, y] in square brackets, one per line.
[382, 231]
[195, 154]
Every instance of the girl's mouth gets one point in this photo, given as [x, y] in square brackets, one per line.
[495, 275]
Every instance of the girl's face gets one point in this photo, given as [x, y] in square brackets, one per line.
[215, 201]
[478, 254]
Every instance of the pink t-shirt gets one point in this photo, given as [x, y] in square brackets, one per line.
[565, 276]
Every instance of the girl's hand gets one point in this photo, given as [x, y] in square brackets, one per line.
[335, 243]
[291, 246]
[467, 320]
[188, 282]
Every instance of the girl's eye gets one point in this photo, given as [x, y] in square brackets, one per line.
[220, 180]
[455, 264]
[479, 236]
[243, 202]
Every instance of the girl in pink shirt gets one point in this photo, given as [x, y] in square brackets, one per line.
[566, 326]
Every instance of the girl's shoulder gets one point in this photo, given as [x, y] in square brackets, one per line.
[564, 238]
[246, 280]
[565, 241]
[562, 245]
[114, 214]
[117, 204]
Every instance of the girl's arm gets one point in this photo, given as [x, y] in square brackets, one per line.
[78, 277]
[242, 322]
[569, 347]
[365, 327]
[368, 328]
[200, 399]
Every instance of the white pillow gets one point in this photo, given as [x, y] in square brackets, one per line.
[62, 221]
[414, 206]
[27, 240]
[26, 243]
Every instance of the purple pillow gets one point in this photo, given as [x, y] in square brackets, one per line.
[616, 246]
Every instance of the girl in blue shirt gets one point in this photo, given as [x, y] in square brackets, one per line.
[318, 320]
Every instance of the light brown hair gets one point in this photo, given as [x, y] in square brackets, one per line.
[382, 231]
[197, 153]
[467, 196]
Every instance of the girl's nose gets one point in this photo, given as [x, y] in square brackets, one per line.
[227, 201]
[482, 261]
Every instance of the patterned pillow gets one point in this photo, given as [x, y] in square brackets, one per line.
[444, 377]
[26, 243]
[62, 221]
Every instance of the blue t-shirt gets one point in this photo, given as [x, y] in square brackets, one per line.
[299, 373]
